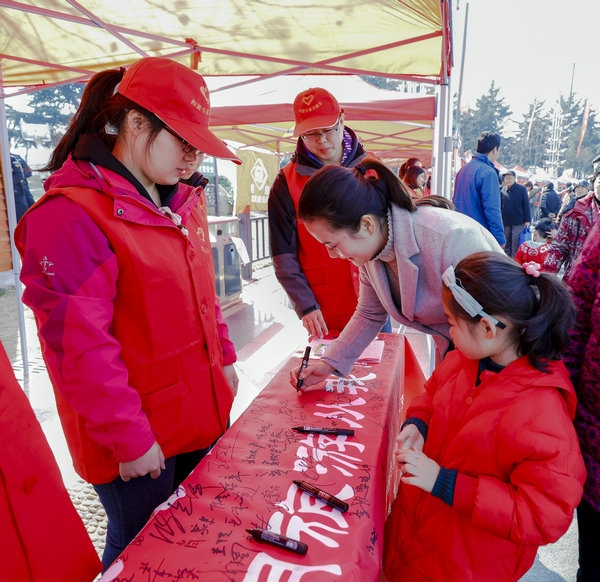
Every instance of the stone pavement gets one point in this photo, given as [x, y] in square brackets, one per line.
[266, 333]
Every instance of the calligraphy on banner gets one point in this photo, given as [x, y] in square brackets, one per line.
[247, 481]
[254, 179]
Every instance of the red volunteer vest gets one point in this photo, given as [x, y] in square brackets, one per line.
[164, 319]
[333, 281]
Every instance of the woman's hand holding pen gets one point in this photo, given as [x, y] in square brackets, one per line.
[313, 374]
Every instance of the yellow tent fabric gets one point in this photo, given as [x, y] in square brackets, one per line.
[47, 42]
[54, 41]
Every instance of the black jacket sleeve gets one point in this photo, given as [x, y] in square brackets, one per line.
[283, 237]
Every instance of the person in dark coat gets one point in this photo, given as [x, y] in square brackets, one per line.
[516, 212]
[572, 232]
[20, 173]
[580, 190]
[550, 202]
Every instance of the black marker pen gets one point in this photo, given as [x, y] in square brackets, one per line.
[303, 367]
[281, 541]
[326, 497]
[324, 430]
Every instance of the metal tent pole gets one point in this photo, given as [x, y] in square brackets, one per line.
[12, 221]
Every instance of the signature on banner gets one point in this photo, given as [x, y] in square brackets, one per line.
[247, 482]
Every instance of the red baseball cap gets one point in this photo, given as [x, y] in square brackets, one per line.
[315, 108]
[177, 96]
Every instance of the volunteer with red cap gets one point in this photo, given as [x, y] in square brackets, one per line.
[323, 290]
[118, 270]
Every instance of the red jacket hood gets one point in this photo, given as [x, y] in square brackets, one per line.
[524, 376]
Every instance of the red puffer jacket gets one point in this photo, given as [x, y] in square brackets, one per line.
[520, 474]
[41, 535]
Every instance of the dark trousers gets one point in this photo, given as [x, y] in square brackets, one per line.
[588, 523]
[512, 234]
[130, 504]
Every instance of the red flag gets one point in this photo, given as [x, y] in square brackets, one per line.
[531, 120]
[584, 123]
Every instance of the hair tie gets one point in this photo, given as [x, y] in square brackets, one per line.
[532, 268]
[116, 87]
[370, 173]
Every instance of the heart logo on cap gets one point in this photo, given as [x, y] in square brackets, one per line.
[204, 92]
[308, 99]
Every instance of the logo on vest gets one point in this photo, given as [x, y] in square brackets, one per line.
[46, 264]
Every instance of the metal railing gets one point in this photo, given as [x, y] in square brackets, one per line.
[254, 231]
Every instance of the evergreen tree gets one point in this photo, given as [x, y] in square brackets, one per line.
[489, 114]
[382, 82]
[532, 138]
[530, 146]
[12, 125]
[53, 106]
[575, 157]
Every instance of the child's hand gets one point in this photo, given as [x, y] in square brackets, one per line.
[410, 438]
[417, 469]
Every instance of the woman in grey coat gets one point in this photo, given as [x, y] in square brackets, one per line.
[366, 215]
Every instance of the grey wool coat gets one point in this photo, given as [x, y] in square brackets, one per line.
[424, 244]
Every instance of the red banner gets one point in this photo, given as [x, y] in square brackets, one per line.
[247, 483]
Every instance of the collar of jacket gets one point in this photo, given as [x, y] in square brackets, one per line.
[303, 157]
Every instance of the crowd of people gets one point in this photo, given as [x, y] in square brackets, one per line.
[564, 245]
[495, 455]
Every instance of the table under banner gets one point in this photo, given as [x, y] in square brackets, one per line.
[247, 483]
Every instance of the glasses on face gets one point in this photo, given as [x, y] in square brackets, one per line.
[315, 136]
[187, 147]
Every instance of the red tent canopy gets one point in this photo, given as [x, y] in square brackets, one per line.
[390, 124]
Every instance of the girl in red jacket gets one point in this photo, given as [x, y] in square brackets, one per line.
[536, 249]
[491, 466]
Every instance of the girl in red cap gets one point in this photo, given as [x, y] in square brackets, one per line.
[118, 270]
